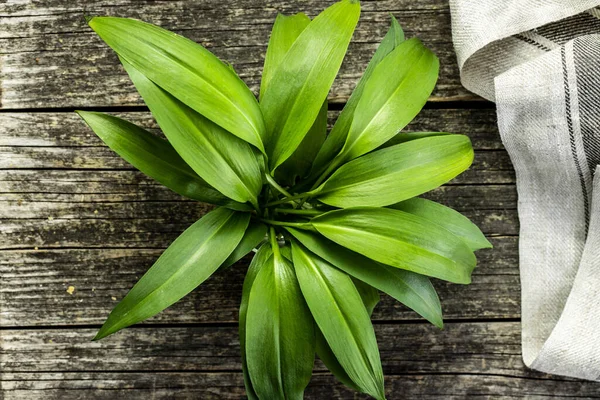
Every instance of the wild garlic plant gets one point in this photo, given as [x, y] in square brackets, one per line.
[332, 218]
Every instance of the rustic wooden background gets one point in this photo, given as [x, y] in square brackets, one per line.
[78, 226]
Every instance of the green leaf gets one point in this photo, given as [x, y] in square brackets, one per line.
[280, 338]
[391, 100]
[337, 307]
[188, 262]
[286, 251]
[223, 160]
[155, 157]
[333, 365]
[336, 139]
[411, 289]
[299, 163]
[446, 217]
[187, 71]
[300, 84]
[368, 294]
[260, 259]
[370, 298]
[397, 173]
[403, 137]
[401, 240]
[255, 234]
[286, 30]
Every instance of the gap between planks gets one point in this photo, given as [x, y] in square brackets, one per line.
[225, 324]
[432, 104]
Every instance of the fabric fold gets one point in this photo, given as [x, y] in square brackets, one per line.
[492, 36]
[540, 61]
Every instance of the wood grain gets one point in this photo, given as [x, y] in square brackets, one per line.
[50, 58]
[35, 283]
[459, 348]
[203, 361]
[78, 225]
[63, 141]
[229, 385]
[66, 129]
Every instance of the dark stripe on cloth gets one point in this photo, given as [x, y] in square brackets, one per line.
[568, 111]
[532, 42]
[569, 28]
[587, 67]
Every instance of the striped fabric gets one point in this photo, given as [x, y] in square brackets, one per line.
[540, 61]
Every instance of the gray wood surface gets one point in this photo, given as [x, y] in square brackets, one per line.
[78, 225]
[50, 58]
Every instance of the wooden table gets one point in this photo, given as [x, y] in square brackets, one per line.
[79, 226]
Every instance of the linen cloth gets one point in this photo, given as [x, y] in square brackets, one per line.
[540, 61]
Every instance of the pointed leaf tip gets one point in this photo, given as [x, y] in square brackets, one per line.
[104, 331]
[447, 218]
[88, 18]
[98, 336]
[335, 140]
[419, 245]
[191, 259]
[421, 165]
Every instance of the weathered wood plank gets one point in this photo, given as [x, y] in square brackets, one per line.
[460, 348]
[49, 57]
[463, 360]
[30, 194]
[35, 285]
[66, 129]
[63, 141]
[20, 187]
[488, 167]
[78, 222]
[128, 195]
[230, 385]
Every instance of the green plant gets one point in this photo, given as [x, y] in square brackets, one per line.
[333, 219]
